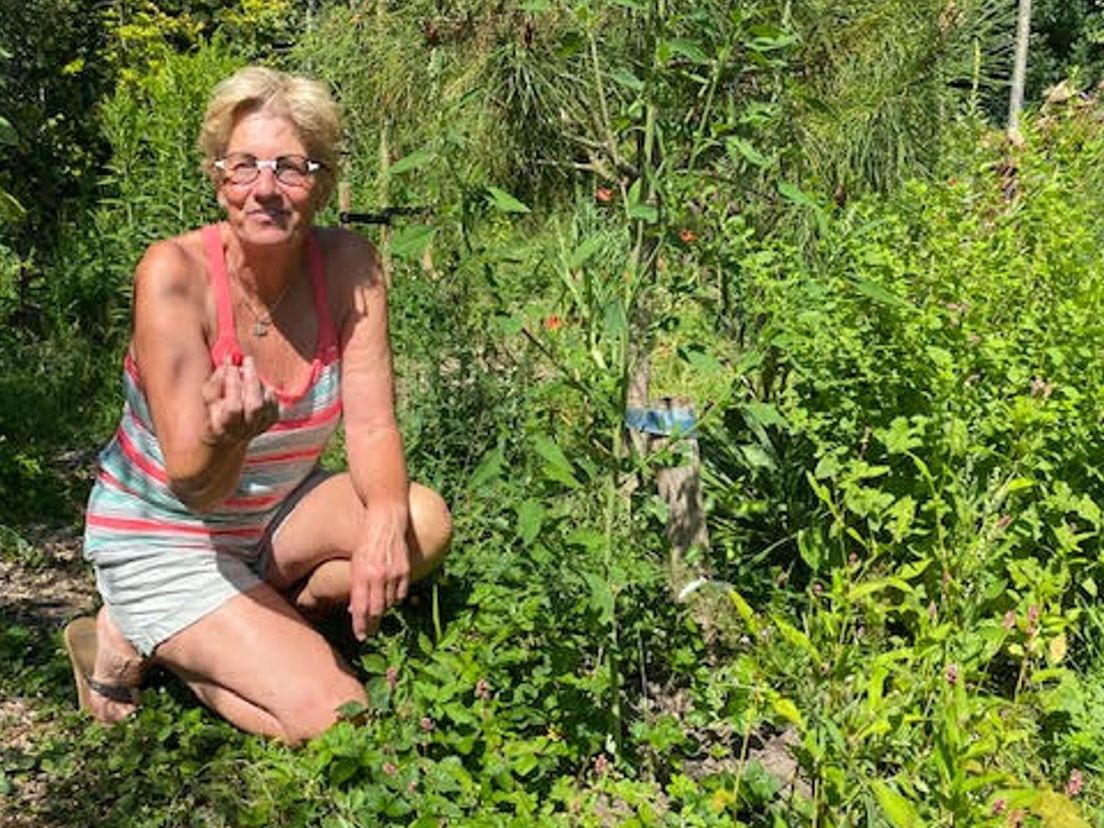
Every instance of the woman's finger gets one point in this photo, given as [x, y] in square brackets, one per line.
[252, 392]
[232, 394]
[376, 601]
[214, 387]
[358, 607]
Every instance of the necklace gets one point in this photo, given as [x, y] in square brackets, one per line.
[261, 323]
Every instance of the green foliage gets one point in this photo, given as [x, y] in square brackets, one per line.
[922, 430]
[898, 397]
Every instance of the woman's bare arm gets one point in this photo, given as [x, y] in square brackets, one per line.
[203, 419]
[381, 561]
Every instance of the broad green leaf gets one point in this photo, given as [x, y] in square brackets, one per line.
[756, 457]
[788, 711]
[411, 241]
[689, 49]
[581, 254]
[795, 637]
[899, 811]
[416, 159]
[557, 467]
[809, 548]
[877, 292]
[739, 148]
[489, 468]
[765, 414]
[627, 79]
[10, 209]
[744, 610]
[529, 520]
[795, 194]
[1058, 811]
[614, 322]
[601, 597]
[504, 202]
[586, 538]
[8, 135]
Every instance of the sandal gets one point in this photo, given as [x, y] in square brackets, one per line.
[81, 645]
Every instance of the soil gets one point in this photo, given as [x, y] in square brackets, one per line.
[46, 583]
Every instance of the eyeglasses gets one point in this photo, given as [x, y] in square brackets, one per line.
[292, 170]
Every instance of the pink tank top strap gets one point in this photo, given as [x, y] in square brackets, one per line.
[226, 343]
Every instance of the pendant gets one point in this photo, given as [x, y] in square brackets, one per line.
[260, 328]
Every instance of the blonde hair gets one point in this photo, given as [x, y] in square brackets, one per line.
[305, 102]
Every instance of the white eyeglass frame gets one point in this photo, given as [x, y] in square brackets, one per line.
[269, 164]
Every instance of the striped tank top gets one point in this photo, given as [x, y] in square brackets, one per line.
[132, 505]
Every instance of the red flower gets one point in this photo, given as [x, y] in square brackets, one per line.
[553, 322]
[687, 235]
[603, 195]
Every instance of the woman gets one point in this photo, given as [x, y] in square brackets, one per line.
[212, 532]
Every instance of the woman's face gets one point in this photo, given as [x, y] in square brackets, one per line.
[267, 211]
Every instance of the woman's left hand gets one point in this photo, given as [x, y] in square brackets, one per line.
[380, 571]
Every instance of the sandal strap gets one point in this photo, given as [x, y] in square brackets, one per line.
[115, 692]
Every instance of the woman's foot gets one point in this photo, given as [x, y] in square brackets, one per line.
[118, 665]
[107, 670]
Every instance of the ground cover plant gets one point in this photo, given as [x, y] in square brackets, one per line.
[892, 351]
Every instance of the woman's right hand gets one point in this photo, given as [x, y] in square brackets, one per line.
[239, 405]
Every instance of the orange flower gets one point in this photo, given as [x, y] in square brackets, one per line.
[553, 323]
[687, 235]
[603, 195]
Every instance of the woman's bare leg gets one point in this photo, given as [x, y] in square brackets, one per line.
[310, 554]
[256, 662]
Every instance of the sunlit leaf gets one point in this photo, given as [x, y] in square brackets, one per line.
[504, 202]
[530, 518]
[413, 161]
[899, 811]
[411, 241]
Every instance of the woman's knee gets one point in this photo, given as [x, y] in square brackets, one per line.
[314, 708]
[430, 521]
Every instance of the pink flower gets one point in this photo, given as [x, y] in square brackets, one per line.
[482, 689]
[392, 678]
[817, 589]
[426, 724]
[999, 807]
[1075, 784]
[1009, 621]
[601, 764]
[952, 674]
[389, 768]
